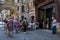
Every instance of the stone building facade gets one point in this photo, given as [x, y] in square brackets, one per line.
[16, 7]
[31, 11]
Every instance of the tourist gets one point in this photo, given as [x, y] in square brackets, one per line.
[54, 25]
[25, 25]
[10, 29]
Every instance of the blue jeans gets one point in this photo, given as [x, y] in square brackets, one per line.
[53, 29]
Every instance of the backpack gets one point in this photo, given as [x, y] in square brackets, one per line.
[25, 23]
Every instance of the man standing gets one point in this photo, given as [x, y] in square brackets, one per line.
[54, 25]
[25, 24]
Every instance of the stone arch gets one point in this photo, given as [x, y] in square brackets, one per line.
[11, 8]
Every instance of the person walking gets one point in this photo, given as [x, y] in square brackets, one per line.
[10, 28]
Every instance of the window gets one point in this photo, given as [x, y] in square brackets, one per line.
[18, 1]
[18, 8]
[22, 8]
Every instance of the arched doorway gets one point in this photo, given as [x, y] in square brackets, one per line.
[45, 14]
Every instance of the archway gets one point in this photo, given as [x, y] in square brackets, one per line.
[10, 9]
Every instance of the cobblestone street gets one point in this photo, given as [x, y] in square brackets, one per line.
[30, 35]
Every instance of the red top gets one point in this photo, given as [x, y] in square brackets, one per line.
[7, 25]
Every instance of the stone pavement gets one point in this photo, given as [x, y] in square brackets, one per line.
[30, 35]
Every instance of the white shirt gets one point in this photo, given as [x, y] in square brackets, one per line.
[30, 23]
[54, 22]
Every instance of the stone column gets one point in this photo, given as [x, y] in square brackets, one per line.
[36, 13]
[57, 14]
